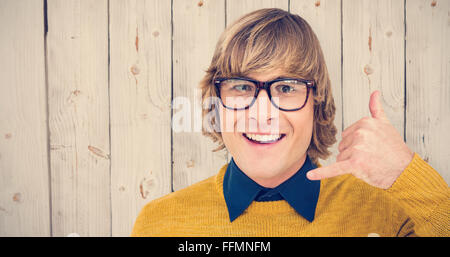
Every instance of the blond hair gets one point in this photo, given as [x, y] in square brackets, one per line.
[267, 40]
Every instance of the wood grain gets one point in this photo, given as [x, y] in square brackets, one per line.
[237, 8]
[196, 29]
[373, 58]
[428, 82]
[24, 178]
[140, 94]
[77, 51]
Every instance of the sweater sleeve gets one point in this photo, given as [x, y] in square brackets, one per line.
[425, 197]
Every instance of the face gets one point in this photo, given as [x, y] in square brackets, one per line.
[268, 164]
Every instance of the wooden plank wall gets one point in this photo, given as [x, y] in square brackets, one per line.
[77, 68]
[24, 167]
[86, 88]
[196, 28]
[140, 113]
[427, 60]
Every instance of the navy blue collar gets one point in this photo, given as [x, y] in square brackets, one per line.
[301, 193]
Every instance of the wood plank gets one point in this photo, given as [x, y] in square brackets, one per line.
[325, 19]
[140, 93]
[24, 180]
[373, 58]
[428, 82]
[77, 47]
[196, 29]
[237, 8]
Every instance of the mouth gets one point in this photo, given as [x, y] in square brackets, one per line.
[263, 139]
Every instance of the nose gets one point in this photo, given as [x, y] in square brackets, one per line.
[263, 116]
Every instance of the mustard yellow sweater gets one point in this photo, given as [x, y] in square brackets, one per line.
[416, 204]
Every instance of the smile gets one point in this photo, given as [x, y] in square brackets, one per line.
[263, 139]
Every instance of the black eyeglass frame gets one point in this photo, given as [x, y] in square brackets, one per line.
[266, 86]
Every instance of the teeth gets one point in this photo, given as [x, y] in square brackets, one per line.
[263, 138]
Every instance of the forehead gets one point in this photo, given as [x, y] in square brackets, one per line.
[267, 75]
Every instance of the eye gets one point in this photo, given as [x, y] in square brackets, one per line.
[243, 88]
[285, 89]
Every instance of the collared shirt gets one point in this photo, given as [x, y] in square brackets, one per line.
[301, 193]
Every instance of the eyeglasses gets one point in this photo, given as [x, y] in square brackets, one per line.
[287, 94]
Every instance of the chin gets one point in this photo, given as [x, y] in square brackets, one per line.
[264, 171]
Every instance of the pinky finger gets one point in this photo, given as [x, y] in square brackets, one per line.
[333, 170]
[344, 155]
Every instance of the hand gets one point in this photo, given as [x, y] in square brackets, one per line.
[371, 149]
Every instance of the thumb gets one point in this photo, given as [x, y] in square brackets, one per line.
[375, 106]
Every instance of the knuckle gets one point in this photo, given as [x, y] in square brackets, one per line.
[363, 134]
[367, 121]
[358, 149]
[340, 157]
[341, 146]
[353, 161]
[356, 160]
[344, 133]
[360, 134]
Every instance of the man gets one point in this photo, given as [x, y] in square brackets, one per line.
[275, 115]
